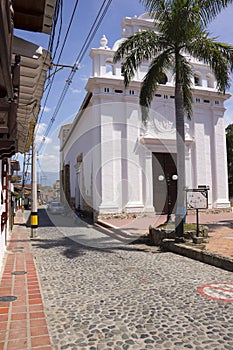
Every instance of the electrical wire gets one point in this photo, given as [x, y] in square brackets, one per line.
[59, 57]
[41, 170]
[57, 11]
[95, 26]
[59, 31]
[57, 8]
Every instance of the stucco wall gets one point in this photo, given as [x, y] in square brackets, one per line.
[116, 150]
[5, 232]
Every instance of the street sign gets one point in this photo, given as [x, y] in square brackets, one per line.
[197, 199]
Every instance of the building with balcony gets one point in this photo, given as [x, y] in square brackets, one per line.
[23, 67]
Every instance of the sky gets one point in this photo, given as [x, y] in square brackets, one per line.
[221, 27]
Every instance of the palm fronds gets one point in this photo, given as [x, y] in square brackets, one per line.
[152, 79]
[135, 50]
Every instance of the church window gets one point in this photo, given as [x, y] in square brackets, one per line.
[163, 80]
[106, 89]
[108, 68]
[197, 80]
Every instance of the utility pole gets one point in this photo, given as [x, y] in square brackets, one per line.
[23, 182]
[34, 215]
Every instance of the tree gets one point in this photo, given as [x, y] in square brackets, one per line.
[182, 33]
[229, 140]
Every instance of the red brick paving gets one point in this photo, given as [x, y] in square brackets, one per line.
[220, 240]
[22, 322]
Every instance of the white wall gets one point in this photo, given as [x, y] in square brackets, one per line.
[4, 235]
[117, 152]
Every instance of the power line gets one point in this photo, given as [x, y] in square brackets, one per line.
[57, 11]
[95, 26]
[59, 57]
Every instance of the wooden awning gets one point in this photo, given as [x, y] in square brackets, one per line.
[23, 67]
[34, 63]
[35, 16]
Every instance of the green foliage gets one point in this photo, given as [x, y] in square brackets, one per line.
[181, 26]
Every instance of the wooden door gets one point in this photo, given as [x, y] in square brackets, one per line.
[164, 164]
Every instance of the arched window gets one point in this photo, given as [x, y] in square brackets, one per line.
[197, 79]
[110, 67]
[163, 80]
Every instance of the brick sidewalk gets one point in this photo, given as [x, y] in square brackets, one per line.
[220, 240]
[22, 322]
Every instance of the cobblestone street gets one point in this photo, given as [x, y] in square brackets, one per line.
[128, 298]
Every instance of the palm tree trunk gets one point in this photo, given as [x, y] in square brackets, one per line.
[180, 144]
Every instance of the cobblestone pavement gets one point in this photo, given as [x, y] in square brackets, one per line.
[126, 298]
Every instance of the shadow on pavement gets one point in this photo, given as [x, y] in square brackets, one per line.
[76, 244]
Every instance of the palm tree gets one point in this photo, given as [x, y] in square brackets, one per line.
[182, 33]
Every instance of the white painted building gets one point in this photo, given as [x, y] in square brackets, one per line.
[5, 189]
[23, 69]
[110, 164]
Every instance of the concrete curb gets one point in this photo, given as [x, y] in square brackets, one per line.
[118, 231]
[198, 254]
[182, 249]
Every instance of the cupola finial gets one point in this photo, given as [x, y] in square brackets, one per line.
[103, 42]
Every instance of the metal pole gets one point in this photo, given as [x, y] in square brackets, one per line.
[168, 181]
[197, 231]
[34, 216]
[23, 183]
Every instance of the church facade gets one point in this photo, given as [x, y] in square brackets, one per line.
[111, 163]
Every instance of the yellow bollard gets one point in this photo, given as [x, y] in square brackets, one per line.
[34, 220]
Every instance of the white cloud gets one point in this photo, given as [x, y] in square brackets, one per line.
[76, 91]
[42, 139]
[40, 131]
[40, 128]
[84, 78]
[49, 162]
[56, 148]
[45, 109]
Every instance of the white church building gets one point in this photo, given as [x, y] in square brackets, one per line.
[111, 164]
